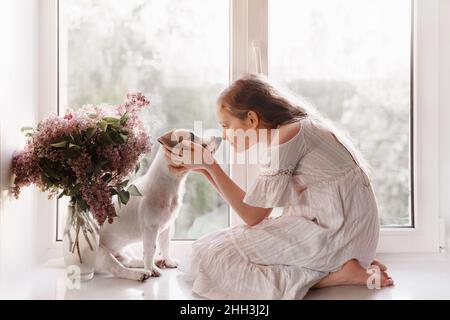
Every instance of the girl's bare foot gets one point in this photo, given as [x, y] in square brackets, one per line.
[352, 273]
[379, 264]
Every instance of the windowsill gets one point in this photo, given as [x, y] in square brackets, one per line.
[416, 276]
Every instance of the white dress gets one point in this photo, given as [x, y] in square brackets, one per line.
[330, 216]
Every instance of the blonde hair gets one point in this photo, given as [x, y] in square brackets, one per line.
[276, 106]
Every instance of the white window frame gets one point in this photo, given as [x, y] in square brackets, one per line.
[249, 30]
[48, 98]
[428, 232]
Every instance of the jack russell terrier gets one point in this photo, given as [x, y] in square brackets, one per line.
[148, 218]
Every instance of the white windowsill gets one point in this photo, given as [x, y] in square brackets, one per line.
[417, 276]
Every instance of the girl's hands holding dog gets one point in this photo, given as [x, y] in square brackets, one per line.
[183, 169]
[189, 156]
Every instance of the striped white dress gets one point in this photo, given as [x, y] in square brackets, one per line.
[330, 216]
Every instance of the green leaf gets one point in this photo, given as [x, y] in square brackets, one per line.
[115, 136]
[124, 196]
[103, 125]
[83, 204]
[111, 119]
[45, 179]
[123, 184]
[72, 153]
[99, 166]
[102, 163]
[107, 138]
[26, 129]
[124, 118]
[90, 132]
[76, 189]
[115, 122]
[134, 191]
[124, 138]
[51, 174]
[62, 194]
[61, 144]
[74, 146]
[138, 166]
[47, 167]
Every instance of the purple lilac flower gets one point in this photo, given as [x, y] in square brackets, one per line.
[76, 154]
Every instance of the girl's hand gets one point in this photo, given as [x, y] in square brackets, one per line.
[182, 169]
[189, 156]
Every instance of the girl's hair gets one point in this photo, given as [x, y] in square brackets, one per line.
[255, 93]
[277, 106]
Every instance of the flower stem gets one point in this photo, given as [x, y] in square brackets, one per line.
[87, 239]
[77, 243]
[78, 251]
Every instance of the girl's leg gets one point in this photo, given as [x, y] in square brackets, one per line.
[352, 273]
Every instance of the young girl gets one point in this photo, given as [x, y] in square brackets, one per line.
[328, 232]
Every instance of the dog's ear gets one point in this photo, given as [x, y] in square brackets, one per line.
[168, 139]
[173, 138]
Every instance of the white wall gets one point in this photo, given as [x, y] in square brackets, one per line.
[18, 108]
[444, 114]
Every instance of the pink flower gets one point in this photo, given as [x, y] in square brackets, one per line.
[81, 156]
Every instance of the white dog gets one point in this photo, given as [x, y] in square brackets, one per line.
[148, 218]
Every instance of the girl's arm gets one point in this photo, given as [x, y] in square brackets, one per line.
[234, 195]
[229, 191]
[211, 180]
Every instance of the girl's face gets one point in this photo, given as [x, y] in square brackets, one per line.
[241, 134]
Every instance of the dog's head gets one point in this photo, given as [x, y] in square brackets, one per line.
[172, 138]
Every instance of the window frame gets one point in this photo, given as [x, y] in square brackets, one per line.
[249, 30]
[427, 232]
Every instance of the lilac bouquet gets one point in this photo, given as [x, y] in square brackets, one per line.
[86, 155]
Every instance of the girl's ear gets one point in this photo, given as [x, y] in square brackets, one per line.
[253, 119]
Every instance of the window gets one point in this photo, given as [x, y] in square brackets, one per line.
[352, 60]
[176, 52]
[369, 65]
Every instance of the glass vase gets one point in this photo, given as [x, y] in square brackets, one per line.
[80, 242]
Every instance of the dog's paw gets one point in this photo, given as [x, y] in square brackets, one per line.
[167, 263]
[144, 276]
[138, 275]
[154, 271]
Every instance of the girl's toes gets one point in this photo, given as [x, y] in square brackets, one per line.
[379, 264]
[388, 282]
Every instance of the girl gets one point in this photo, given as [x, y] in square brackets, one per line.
[328, 232]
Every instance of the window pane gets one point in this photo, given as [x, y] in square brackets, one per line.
[176, 52]
[352, 59]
